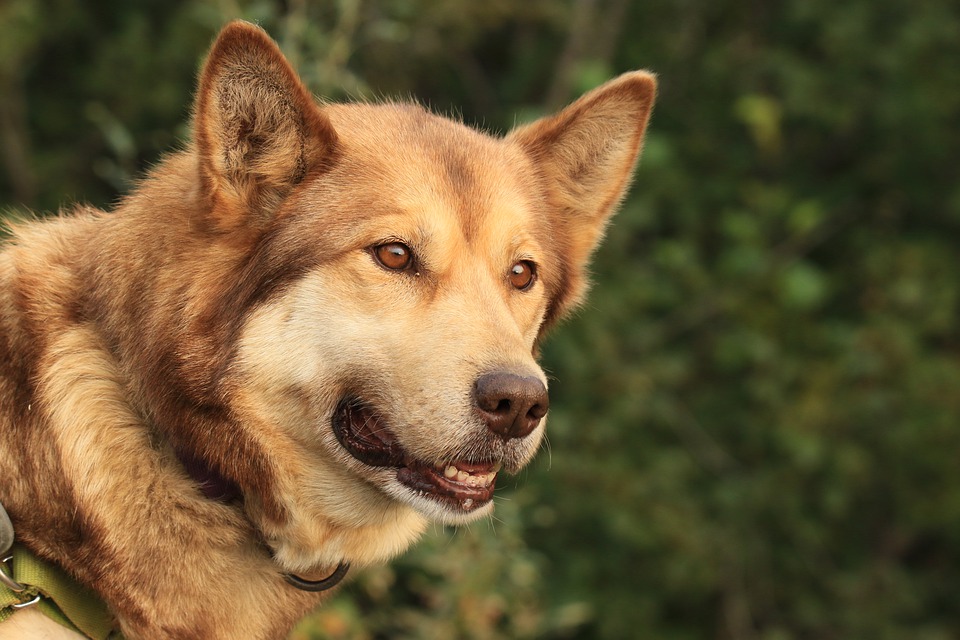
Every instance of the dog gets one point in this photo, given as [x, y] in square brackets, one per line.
[300, 339]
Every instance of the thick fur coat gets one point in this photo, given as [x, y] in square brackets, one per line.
[299, 340]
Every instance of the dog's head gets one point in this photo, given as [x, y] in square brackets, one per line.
[401, 271]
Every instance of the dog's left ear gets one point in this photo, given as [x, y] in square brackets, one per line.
[257, 129]
[587, 153]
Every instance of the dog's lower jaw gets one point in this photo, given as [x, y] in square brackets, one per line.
[393, 519]
[434, 511]
[309, 547]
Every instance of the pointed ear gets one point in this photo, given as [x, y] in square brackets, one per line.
[257, 129]
[586, 154]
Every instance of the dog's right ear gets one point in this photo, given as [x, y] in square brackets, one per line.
[257, 129]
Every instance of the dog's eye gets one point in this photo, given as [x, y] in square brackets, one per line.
[395, 256]
[523, 274]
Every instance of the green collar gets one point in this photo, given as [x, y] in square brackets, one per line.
[53, 593]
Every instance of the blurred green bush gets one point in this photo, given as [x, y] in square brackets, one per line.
[754, 430]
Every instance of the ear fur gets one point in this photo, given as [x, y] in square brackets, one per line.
[257, 129]
[586, 154]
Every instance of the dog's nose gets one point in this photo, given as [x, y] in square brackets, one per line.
[511, 405]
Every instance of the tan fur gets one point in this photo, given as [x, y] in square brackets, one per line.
[30, 624]
[227, 306]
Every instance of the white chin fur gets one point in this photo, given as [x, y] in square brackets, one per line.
[379, 542]
[434, 510]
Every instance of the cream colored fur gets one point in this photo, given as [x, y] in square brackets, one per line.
[234, 301]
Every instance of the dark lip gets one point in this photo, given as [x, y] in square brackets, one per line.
[365, 435]
[361, 432]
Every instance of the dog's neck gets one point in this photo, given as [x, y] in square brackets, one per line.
[215, 486]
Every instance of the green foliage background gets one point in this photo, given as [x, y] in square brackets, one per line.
[754, 430]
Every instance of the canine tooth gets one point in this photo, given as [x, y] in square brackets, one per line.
[450, 471]
[496, 467]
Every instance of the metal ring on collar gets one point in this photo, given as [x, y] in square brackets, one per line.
[30, 603]
[319, 585]
[6, 580]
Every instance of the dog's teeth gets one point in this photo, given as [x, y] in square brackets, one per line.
[451, 472]
[497, 467]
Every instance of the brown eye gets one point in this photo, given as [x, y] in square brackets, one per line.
[523, 274]
[395, 256]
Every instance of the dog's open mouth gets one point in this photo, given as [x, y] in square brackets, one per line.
[461, 484]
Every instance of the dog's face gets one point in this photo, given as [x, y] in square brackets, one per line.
[411, 344]
[421, 263]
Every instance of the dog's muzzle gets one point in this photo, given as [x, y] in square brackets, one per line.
[511, 407]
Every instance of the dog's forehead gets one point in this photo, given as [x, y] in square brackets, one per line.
[415, 159]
